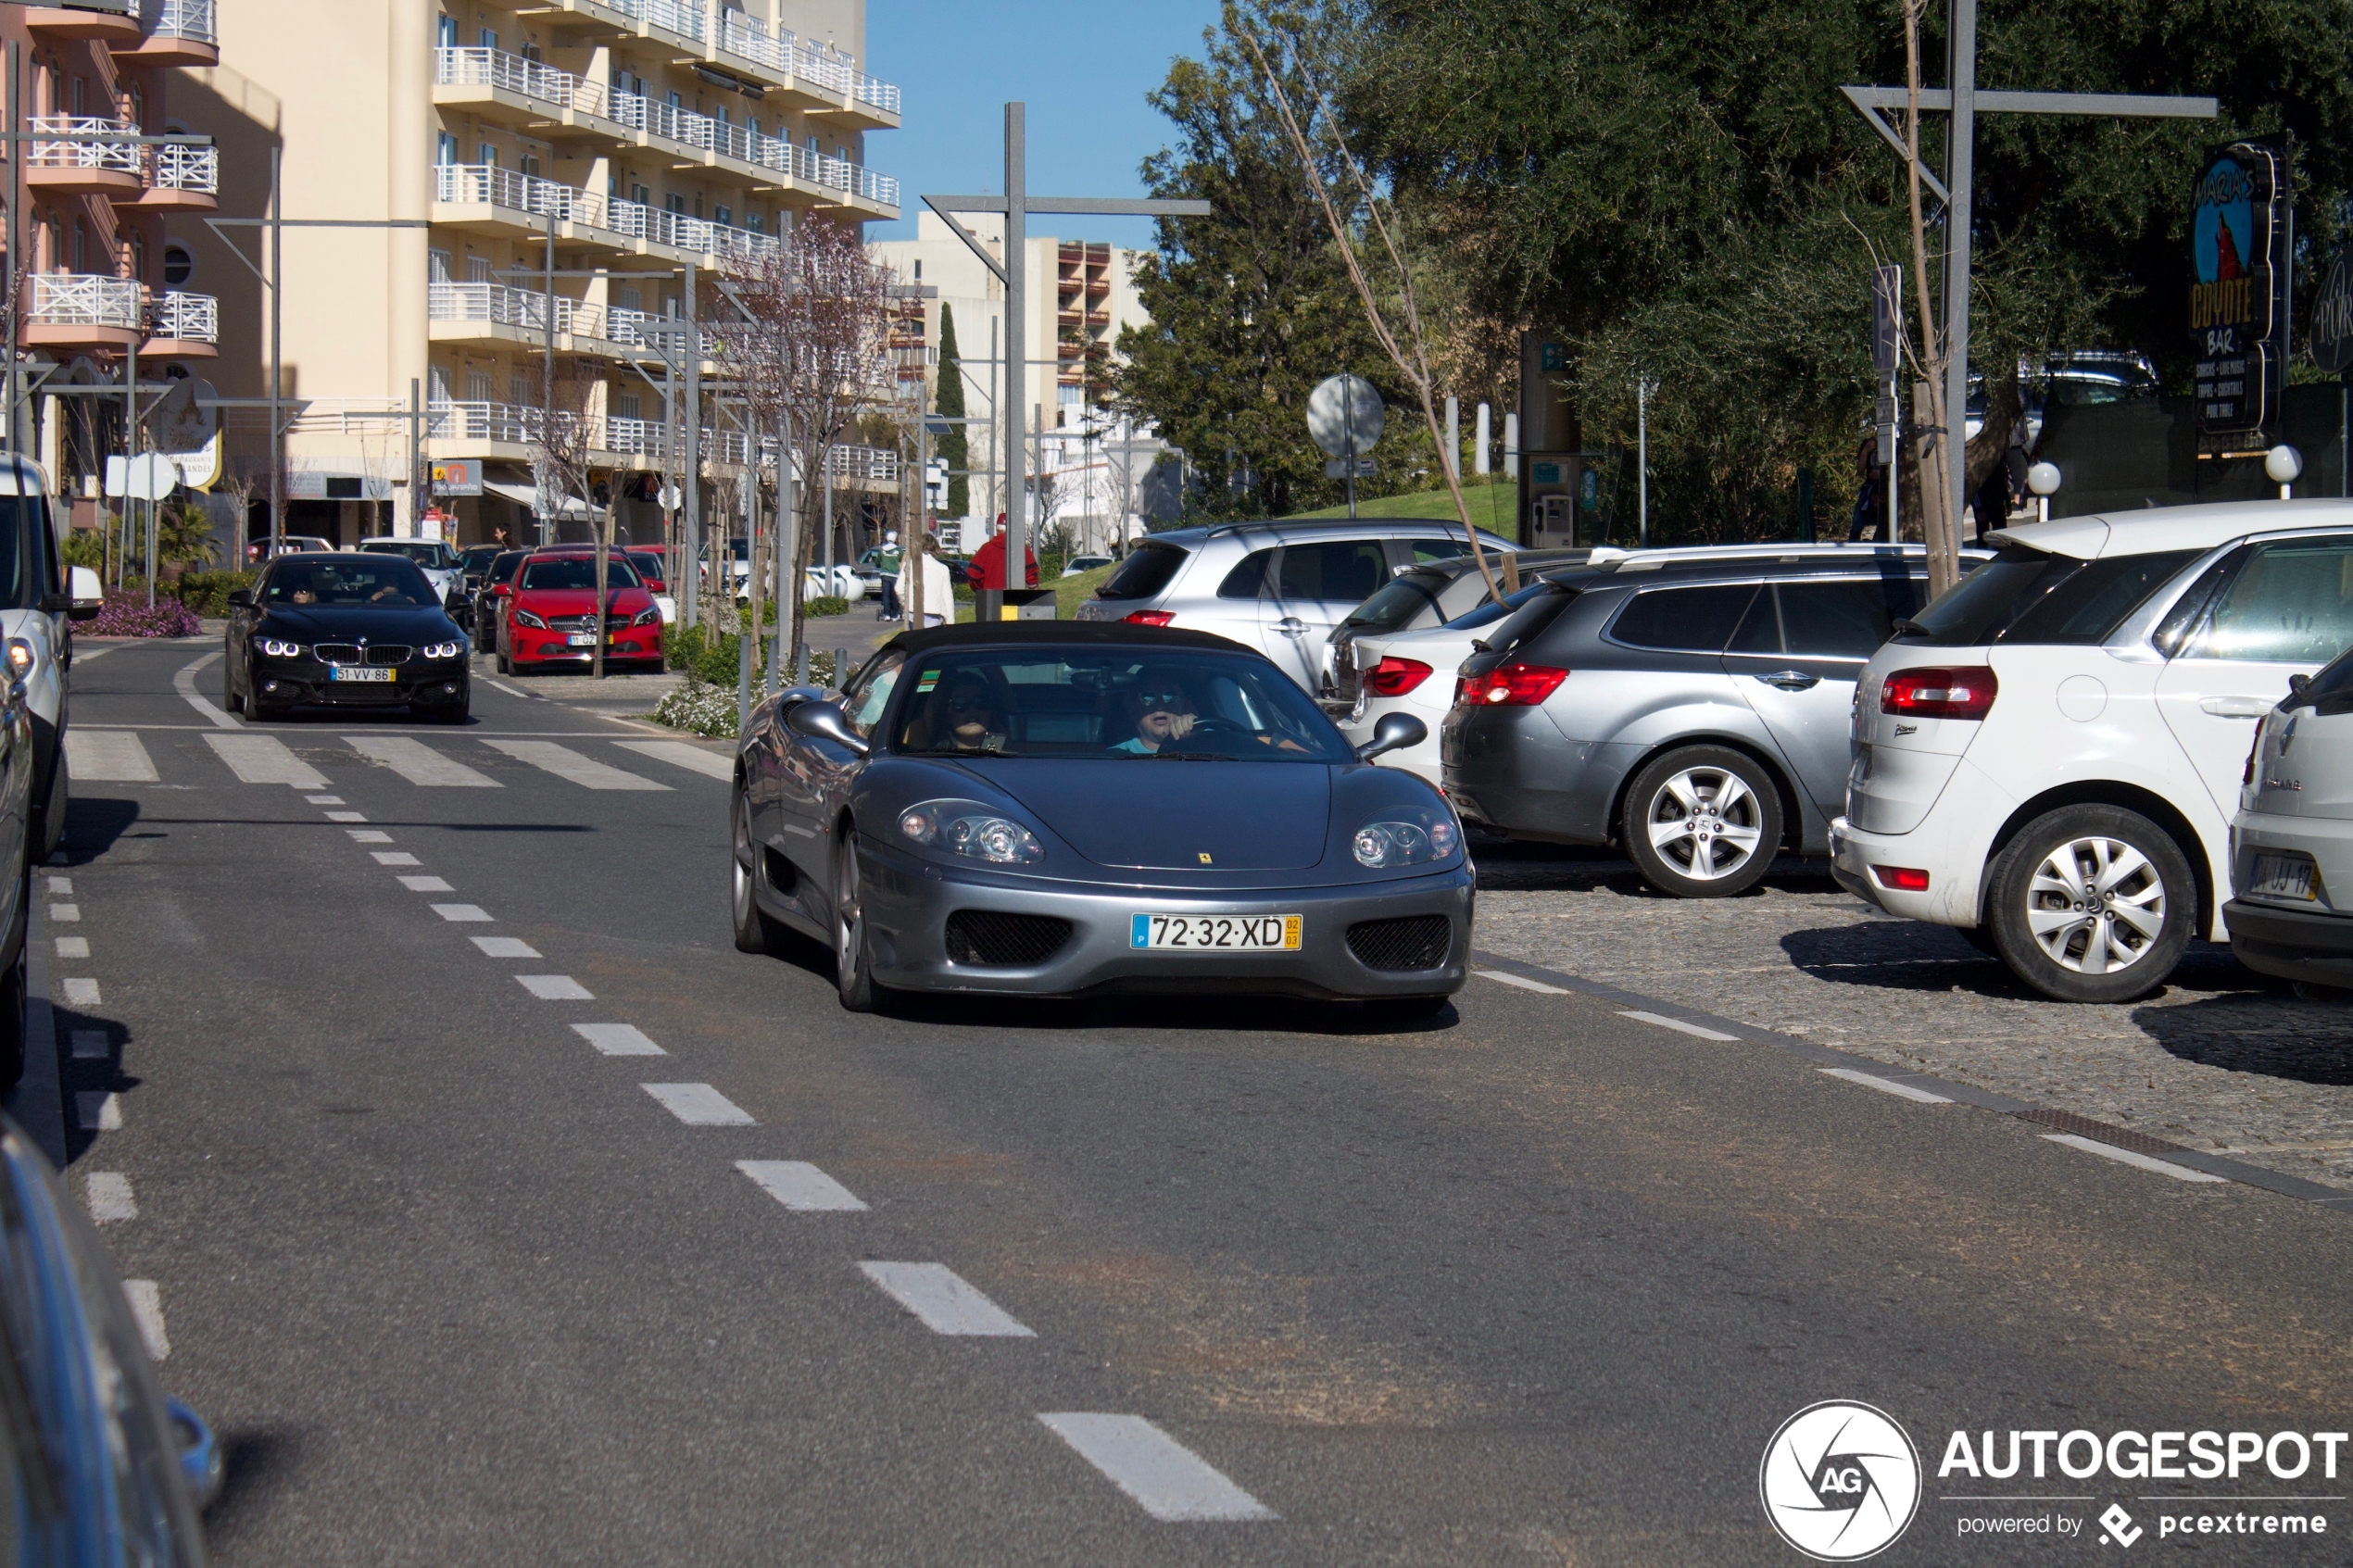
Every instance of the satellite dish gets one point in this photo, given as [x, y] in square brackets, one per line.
[1345, 414]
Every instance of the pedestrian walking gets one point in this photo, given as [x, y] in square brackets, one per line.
[1870, 496]
[939, 589]
[888, 560]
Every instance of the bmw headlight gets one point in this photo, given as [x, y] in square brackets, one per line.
[529, 620]
[1417, 839]
[272, 648]
[444, 650]
[972, 830]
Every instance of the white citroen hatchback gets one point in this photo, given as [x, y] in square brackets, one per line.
[2048, 756]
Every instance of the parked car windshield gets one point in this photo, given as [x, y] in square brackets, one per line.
[1396, 602]
[358, 581]
[1984, 605]
[576, 571]
[1491, 611]
[1541, 608]
[1146, 571]
[502, 566]
[1118, 705]
[2087, 607]
[430, 552]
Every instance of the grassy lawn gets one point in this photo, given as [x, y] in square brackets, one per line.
[1492, 507]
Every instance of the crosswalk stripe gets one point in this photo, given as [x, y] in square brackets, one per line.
[1168, 1480]
[566, 763]
[419, 764]
[265, 759]
[111, 757]
[717, 765]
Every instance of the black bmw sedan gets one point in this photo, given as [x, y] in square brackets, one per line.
[345, 630]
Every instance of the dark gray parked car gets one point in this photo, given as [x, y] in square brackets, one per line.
[1696, 715]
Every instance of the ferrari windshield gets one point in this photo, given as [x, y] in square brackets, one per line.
[349, 581]
[1120, 705]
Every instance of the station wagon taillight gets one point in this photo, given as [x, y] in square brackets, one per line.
[1963, 693]
[1395, 677]
[1152, 618]
[1510, 685]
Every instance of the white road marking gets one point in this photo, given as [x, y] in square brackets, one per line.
[618, 1039]
[800, 1186]
[1168, 1480]
[566, 763]
[699, 1105]
[369, 835]
[95, 756]
[502, 685]
[111, 1199]
[89, 1045]
[73, 947]
[935, 1293]
[459, 912]
[184, 684]
[1522, 982]
[346, 817]
[66, 914]
[1888, 1087]
[146, 1305]
[419, 764]
[2126, 1157]
[62, 887]
[555, 987]
[81, 993]
[323, 799]
[506, 946]
[98, 1111]
[717, 765]
[426, 884]
[264, 760]
[1666, 1022]
[392, 858]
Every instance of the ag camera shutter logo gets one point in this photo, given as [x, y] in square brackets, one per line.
[1841, 1481]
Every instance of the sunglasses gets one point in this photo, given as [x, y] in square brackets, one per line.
[969, 704]
[1169, 702]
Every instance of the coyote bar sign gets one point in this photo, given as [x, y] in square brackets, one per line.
[2240, 231]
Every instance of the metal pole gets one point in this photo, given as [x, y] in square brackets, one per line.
[1016, 345]
[17, 268]
[547, 397]
[420, 485]
[130, 454]
[277, 349]
[825, 478]
[2344, 432]
[1945, 549]
[996, 434]
[690, 444]
[1642, 455]
[787, 540]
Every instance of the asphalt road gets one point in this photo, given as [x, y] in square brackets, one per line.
[1533, 1283]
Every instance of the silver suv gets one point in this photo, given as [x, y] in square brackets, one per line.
[1278, 587]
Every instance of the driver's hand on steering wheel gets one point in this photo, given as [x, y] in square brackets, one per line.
[1181, 725]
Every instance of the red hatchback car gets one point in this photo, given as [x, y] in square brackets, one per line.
[549, 619]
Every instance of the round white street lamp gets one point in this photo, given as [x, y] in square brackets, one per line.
[2283, 463]
[2043, 479]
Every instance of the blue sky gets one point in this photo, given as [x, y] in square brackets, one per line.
[1083, 70]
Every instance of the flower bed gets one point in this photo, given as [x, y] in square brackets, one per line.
[127, 615]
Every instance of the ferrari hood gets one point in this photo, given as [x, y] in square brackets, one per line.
[1167, 816]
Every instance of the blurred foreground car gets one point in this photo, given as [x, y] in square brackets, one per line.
[2292, 842]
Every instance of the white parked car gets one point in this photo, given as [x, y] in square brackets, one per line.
[2048, 756]
[440, 563]
[2292, 842]
[36, 611]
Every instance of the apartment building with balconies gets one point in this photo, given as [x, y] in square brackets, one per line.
[101, 281]
[615, 143]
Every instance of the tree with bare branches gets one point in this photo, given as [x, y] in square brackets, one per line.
[561, 456]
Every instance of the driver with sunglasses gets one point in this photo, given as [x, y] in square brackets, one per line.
[1161, 710]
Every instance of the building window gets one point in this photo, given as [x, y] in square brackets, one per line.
[478, 271]
[518, 390]
[180, 265]
[449, 32]
[626, 406]
[676, 102]
[138, 115]
[722, 216]
[81, 246]
[489, 39]
[438, 383]
[477, 386]
[919, 269]
[448, 148]
[530, 164]
[674, 204]
[436, 266]
[757, 222]
[135, 255]
[641, 196]
[79, 106]
[631, 300]
[489, 155]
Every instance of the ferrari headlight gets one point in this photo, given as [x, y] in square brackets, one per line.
[272, 648]
[1397, 842]
[968, 828]
[529, 620]
[444, 650]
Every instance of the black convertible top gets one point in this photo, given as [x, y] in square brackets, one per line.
[1067, 633]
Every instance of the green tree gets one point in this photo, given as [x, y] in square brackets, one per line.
[949, 403]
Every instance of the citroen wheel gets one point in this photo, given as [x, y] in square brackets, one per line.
[1703, 822]
[2092, 904]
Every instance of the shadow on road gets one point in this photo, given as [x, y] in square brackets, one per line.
[253, 1464]
[92, 824]
[2267, 1032]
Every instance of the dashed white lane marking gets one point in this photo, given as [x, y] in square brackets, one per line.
[95, 757]
[81, 993]
[323, 799]
[459, 912]
[419, 764]
[184, 684]
[62, 886]
[64, 915]
[346, 817]
[89, 1045]
[713, 764]
[566, 763]
[800, 1186]
[1888, 1087]
[73, 947]
[618, 1039]
[392, 858]
[938, 1296]
[111, 1199]
[699, 1105]
[506, 946]
[1166, 1479]
[502, 685]
[1666, 1022]
[146, 1305]
[369, 835]
[98, 1111]
[2126, 1157]
[1522, 982]
[426, 884]
[555, 987]
[264, 760]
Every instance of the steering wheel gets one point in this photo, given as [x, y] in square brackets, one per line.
[1210, 729]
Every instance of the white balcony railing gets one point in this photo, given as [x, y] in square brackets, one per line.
[519, 424]
[120, 157]
[188, 318]
[512, 73]
[179, 18]
[88, 300]
[681, 16]
[176, 166]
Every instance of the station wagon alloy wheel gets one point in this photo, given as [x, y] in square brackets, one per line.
[1703, 822]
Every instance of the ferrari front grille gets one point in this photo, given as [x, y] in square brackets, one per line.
[1410, 942]
[989, 937]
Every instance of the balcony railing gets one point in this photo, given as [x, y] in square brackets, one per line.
[747, 38]
[88, 300]
[512, 73]
[519, 424]
[179, 18]
[176, 166]
[120, 157]
[190, 317]
[683, 17]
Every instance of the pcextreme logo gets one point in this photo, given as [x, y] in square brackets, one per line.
[1841, 1481]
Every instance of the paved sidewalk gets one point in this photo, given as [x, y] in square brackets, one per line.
[2220, 1058]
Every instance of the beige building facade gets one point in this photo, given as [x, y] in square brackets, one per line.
[626, 141]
